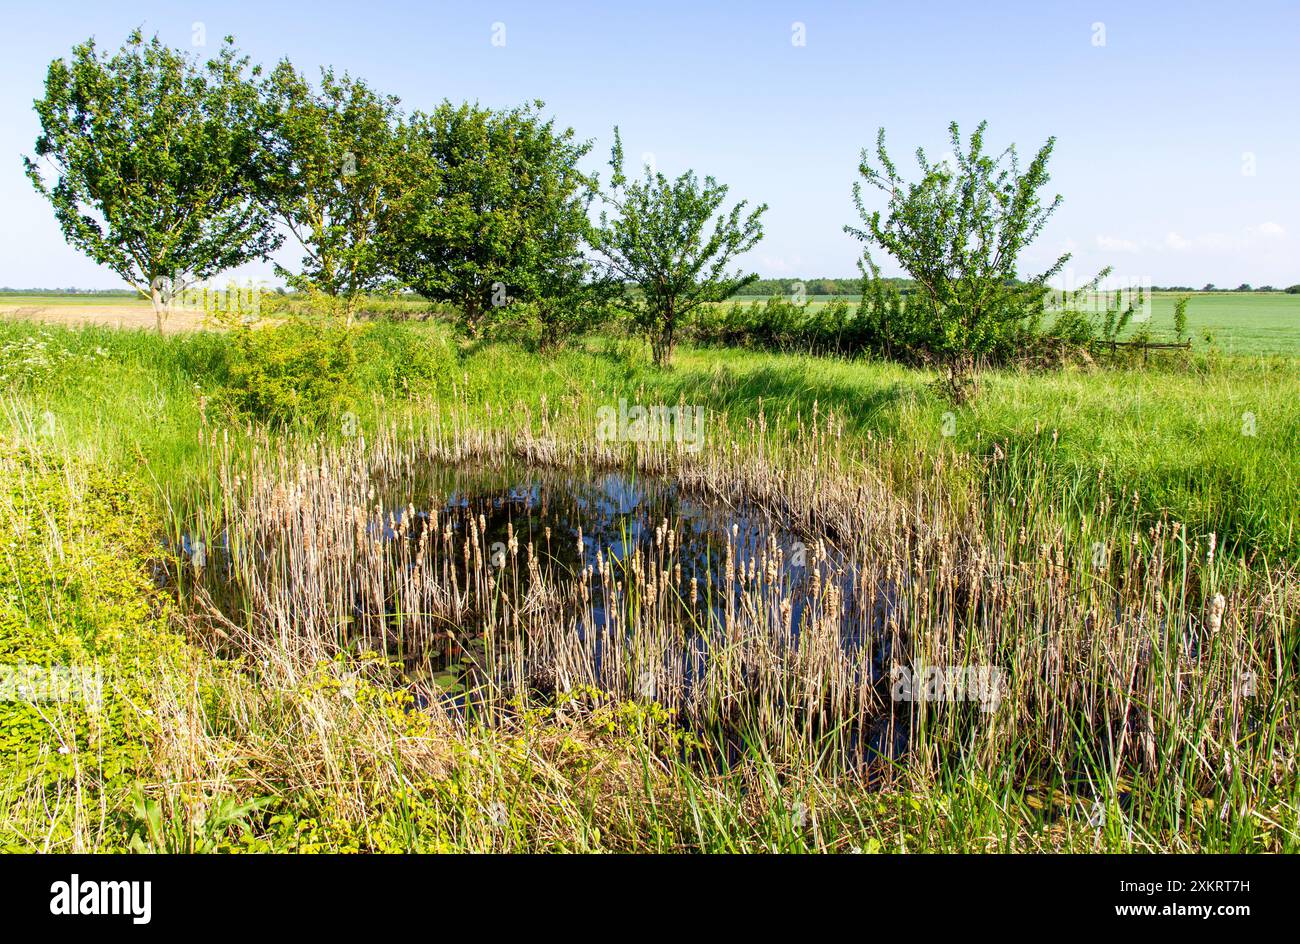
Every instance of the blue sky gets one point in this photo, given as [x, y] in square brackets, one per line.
[1178, 145]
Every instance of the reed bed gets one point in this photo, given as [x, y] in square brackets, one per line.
[1044, 641]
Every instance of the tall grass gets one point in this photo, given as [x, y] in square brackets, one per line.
[1126, 667]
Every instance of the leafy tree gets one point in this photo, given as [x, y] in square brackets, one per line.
[658, 243]
[333, 173]
[494, 210]
[958, 232]
[155, 160]
[1180, 318]
[567, 299]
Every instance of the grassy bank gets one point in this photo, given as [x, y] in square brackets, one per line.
[1212, 442]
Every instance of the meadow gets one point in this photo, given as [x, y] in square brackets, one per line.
[1115, 543]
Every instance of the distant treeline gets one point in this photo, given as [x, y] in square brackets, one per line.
[850, 285]
[115, 292]
[1243, 287]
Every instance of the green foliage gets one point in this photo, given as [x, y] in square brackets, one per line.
[958, 232]
[780, 324]
[494, 212]
[1180, 318]
[306, 371]
[89, 611]
[657, 243]
[333, 171]
[156, 163]
[392, 359]
[299, 372]
[32, 360]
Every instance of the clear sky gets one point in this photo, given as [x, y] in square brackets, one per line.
[1178, 139]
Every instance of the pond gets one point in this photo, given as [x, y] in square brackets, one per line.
[488, 582]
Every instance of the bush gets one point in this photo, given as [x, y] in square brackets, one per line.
[876, 326]
[300, 371]
[305, 371]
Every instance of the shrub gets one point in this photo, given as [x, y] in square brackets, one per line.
[959, 231]
[300, 371]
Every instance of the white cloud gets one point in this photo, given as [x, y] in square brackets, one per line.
[781, 265]
[1271, 230]
[1116, 244]
[1240, 241]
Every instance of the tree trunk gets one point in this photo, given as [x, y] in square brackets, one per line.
[471, 315]
[161, 304]
[662, 344]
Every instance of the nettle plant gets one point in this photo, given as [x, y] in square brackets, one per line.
[154, 163]
[959, 232]
[661, 245]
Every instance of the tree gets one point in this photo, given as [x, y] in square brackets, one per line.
[658, 244]
[156, 161]
[567, 297]
[333, 174]
[494, 206]
[958, 232]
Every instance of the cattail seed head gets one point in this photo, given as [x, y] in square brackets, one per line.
[1215, 620]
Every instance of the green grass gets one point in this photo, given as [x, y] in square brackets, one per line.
[1180, 436]
[20, 300]
[1247, 323]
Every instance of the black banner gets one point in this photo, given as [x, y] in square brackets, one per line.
[141, 894]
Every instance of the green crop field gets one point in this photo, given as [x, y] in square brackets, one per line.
[1238, 322]
[43, 299]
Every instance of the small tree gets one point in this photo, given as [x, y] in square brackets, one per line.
[568, 298]
[331, 179]
[958, 232]
[494, 204]
[659, 245]
[1180, 318]
[156, 161]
